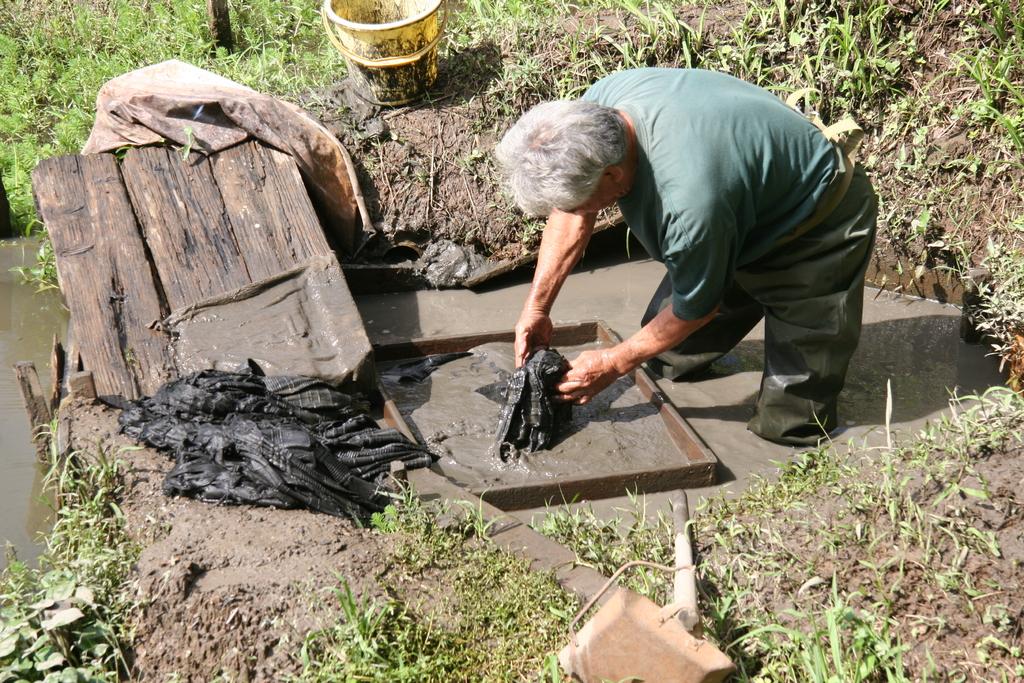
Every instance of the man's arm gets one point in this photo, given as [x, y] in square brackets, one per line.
[565, 238]
[592, 371]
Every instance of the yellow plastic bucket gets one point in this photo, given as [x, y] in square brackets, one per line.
[390, 45]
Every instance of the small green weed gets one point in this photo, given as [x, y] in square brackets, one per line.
[841, 644]
[1000, 314]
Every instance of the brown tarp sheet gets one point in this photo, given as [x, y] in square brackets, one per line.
[177, 102]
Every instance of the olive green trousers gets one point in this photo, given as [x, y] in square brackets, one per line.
[810, 293]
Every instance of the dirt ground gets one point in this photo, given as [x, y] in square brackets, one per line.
[946, 610]
[227, 590]
[426, 170]
[428, 175]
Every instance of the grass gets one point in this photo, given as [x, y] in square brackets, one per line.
[1000, 314]
[67, 619]
[937, 86]
[54, 56]
[833, 571]
[482, 614]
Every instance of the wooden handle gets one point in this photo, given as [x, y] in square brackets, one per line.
[685, 593]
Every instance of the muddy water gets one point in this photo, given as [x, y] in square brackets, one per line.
[456, 411]
[28, 321]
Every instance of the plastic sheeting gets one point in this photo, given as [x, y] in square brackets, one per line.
[300, 322]
[181, 103]
[286, 442]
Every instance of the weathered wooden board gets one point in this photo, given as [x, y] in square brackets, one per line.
[266, 204]
[181, 212]
[160, 233]
[107, 281]
[39, 414]
[57, 357]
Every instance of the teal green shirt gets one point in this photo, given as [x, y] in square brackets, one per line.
[725, 169]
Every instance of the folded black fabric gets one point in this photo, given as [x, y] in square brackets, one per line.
[276, 441]
[530, 419]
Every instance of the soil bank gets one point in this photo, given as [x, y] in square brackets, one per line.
[230, 591]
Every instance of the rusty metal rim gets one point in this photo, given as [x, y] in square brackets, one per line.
[356, 26]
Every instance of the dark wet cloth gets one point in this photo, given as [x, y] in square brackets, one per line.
[530, 418]
[278, 441]
[419, 370]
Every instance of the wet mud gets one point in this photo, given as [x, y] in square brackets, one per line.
[229, 592]
[456, 410]
[28, 321]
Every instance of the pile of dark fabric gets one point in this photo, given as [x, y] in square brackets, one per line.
[278, 441]
[529, 419]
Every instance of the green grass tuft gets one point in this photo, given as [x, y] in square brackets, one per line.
[482, 614]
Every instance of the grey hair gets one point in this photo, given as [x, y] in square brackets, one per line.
[553, 157]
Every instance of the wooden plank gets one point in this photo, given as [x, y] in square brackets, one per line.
[57, 357]
[219, 19]
[6, 229]
[564, 490]
[103, 271]
[72, 359]
[495, 268]
[382, 278]
[270, 214]
[82, 385]
[39, 414]
[181, 212]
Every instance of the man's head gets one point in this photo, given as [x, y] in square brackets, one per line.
[564, 155]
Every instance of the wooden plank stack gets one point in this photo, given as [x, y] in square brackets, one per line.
[137, 239]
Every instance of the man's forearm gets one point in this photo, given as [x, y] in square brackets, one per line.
[565, 239]
[664, 332]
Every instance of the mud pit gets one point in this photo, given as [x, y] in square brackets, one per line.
[455, 411]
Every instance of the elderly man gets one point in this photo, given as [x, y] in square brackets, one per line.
[753, 211]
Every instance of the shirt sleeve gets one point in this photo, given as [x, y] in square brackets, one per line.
[700, 255]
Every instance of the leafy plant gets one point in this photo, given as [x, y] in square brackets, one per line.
[66, 621]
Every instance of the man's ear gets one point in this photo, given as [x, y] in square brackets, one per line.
[615, 173]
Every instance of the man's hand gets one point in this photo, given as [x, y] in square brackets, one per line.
[533, 331]
[589, 374]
